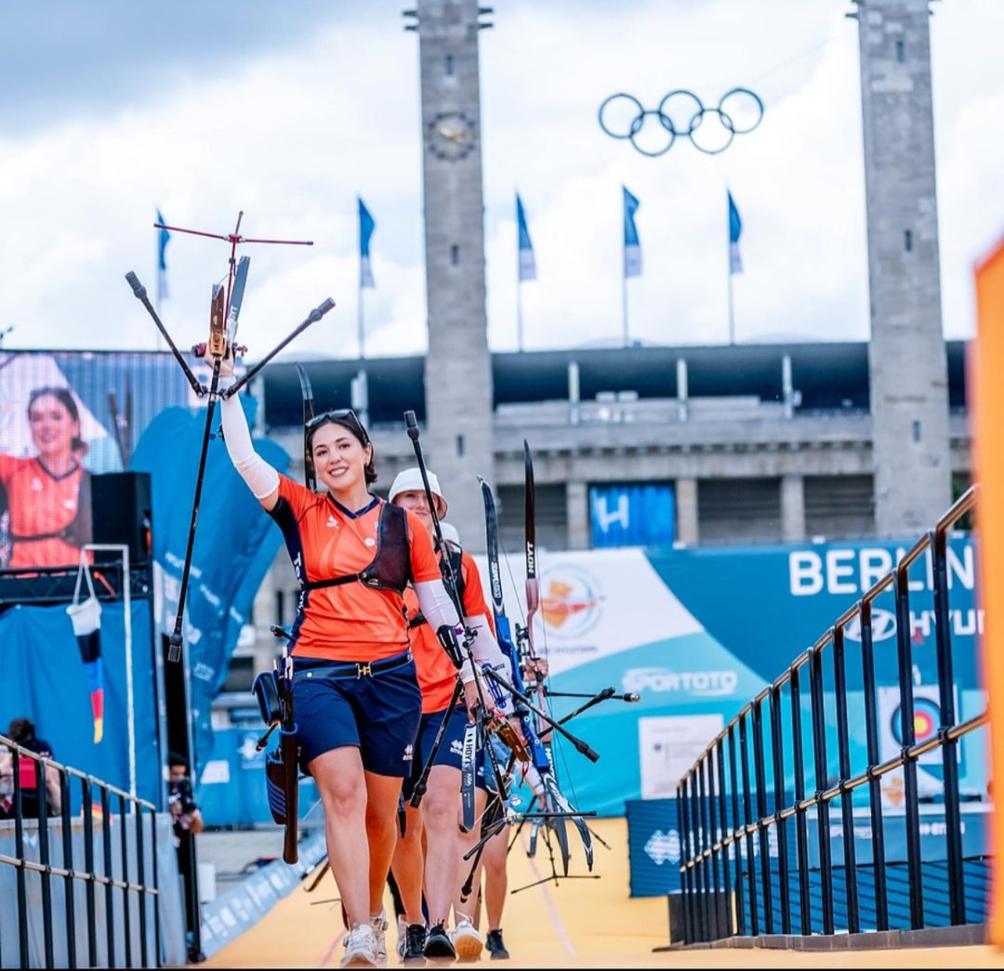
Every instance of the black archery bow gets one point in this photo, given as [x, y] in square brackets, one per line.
[555, 801]
[447, 636]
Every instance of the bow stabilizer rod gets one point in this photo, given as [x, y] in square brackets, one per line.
[139, 292]
[312, 318]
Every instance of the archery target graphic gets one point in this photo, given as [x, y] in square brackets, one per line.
[926, 720]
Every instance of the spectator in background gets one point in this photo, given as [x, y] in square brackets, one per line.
[180, 801]
[187, 822]
[48, 496]
[22, 731]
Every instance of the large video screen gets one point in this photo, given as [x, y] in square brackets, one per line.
[64, 417]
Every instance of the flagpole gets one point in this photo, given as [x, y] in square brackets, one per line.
[361, 322]
[624, 301]
[732, 316]
[160, 286]
[519, 310]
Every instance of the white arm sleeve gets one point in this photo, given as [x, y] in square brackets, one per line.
[438, 610]
[436, 605]
[261, 478]
[487, 653]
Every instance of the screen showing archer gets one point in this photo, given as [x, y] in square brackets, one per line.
[65, 417]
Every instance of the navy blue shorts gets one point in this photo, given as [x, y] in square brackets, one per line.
[378, 713]
[450, 751]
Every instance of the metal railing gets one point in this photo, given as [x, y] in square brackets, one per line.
[727, 828]
[110, 876]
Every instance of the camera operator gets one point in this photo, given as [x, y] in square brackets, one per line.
[180, 802]
[187, 823]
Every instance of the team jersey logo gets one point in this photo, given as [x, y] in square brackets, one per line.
[332, 522]
[409, 753]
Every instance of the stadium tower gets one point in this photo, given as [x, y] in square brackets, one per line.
[909, 379]
[458, 376]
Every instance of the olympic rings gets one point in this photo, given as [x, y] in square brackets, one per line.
[653, 131]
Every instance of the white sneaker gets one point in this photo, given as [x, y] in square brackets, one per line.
[360, 948]
[402, 937]
[467, 941]
[379, 924]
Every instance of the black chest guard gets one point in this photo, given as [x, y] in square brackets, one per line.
[390, 568]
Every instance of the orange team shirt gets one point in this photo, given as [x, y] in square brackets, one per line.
[40, 503]
[351, 622]
[436, 674]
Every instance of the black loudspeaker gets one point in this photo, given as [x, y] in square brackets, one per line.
[121, 512]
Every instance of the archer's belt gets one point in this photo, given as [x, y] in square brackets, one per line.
[348, 669]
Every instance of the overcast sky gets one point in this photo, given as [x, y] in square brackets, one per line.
[112, 108]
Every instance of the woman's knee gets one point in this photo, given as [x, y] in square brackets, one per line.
[342, 794]
[439, 811]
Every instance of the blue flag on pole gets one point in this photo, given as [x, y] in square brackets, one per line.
[632, 245]
[735, 231]
[366, 226]
[163, 238]
[527, 261]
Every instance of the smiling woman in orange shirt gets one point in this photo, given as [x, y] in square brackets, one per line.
[48, 515]
[355, 692]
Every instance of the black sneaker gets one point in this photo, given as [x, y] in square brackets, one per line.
[496, 946]
[438, 944]
[414, 944]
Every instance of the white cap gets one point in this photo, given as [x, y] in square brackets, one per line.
[450, 534]
[410, 480]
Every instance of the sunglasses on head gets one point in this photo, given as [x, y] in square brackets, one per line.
[341, 416]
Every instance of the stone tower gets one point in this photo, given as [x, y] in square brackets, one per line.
[909, 377]
[458, 378]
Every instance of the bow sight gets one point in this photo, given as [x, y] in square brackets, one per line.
[221, 344]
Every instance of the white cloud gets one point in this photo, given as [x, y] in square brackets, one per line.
[291, 138]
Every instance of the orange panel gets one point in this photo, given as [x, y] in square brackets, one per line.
[986, 394]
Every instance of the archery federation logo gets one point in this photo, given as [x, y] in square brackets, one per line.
[569, 601]
[663, 847]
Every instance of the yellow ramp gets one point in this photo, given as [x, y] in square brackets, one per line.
[581, 923]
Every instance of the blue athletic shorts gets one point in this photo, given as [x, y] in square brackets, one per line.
[450, 751]
[378, 713]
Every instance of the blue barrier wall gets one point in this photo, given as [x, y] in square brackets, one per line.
[654, 847]
[42, 677]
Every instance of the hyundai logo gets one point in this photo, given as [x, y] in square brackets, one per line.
[883, 626]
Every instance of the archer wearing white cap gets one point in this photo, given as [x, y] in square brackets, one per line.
[440, 868]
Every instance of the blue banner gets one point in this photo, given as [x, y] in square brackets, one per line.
[235, 545]
[632, 515]
[696, 633]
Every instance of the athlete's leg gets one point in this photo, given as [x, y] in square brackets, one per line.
[409, 866]
[340, 781]
[382, 793]
[496, 878]
[439, 815]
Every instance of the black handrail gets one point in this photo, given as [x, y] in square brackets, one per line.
[710, 845]
[135, 893]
